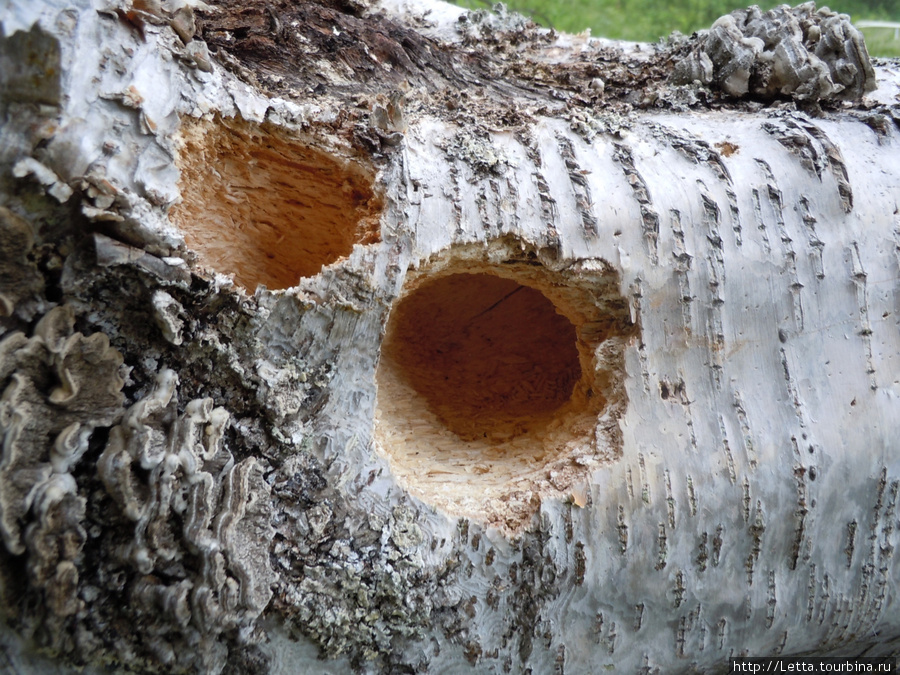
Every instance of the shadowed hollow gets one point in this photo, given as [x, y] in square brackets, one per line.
[500, 384]
[491, 358]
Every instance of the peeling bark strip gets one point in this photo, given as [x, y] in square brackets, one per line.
[367, 336]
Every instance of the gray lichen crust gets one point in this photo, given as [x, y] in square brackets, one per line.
[799, 52]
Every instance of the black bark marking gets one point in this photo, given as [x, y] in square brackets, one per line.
[700, 152]
[580, 187]
[726, 447]
[637, 295]
[629, 482]
[638, 616]
[746, 434]
[622, 529]
[790, 257]
[802, 509]
[580, 563]
[692, 496]
[850, 548]
[793, 392]
[859, 276]
[816, 245]
[715, 259]
[811, 593]
[815, 151]
[549, 210]
[682, 268]
[761, 221]
[745, 500]
[702, 559]
[670, 501]
[679, 589]
[649, 216]
[771, 599]
[718, 540]
[662, 546]
[756, 530]
[645, 483]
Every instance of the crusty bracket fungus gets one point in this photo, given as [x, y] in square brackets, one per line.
[267, 208]
[800, 52]
[56, 389]
[173, 478]
[501, 381]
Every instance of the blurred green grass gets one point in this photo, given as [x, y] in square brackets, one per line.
[649, 20]
[881, 42]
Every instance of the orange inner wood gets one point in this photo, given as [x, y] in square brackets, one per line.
[267, 208]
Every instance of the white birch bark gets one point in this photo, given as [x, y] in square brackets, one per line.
[198, 475]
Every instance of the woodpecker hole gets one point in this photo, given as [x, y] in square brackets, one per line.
[500, 383]
[491, 358]
[266, 208]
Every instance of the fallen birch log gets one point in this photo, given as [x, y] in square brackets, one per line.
[388, 337]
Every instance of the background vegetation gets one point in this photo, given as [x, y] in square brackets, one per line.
[648, 20]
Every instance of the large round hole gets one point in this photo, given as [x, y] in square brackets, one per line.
[492, 358]
[501, 381]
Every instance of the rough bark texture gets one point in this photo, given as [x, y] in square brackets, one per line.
[387, 337]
